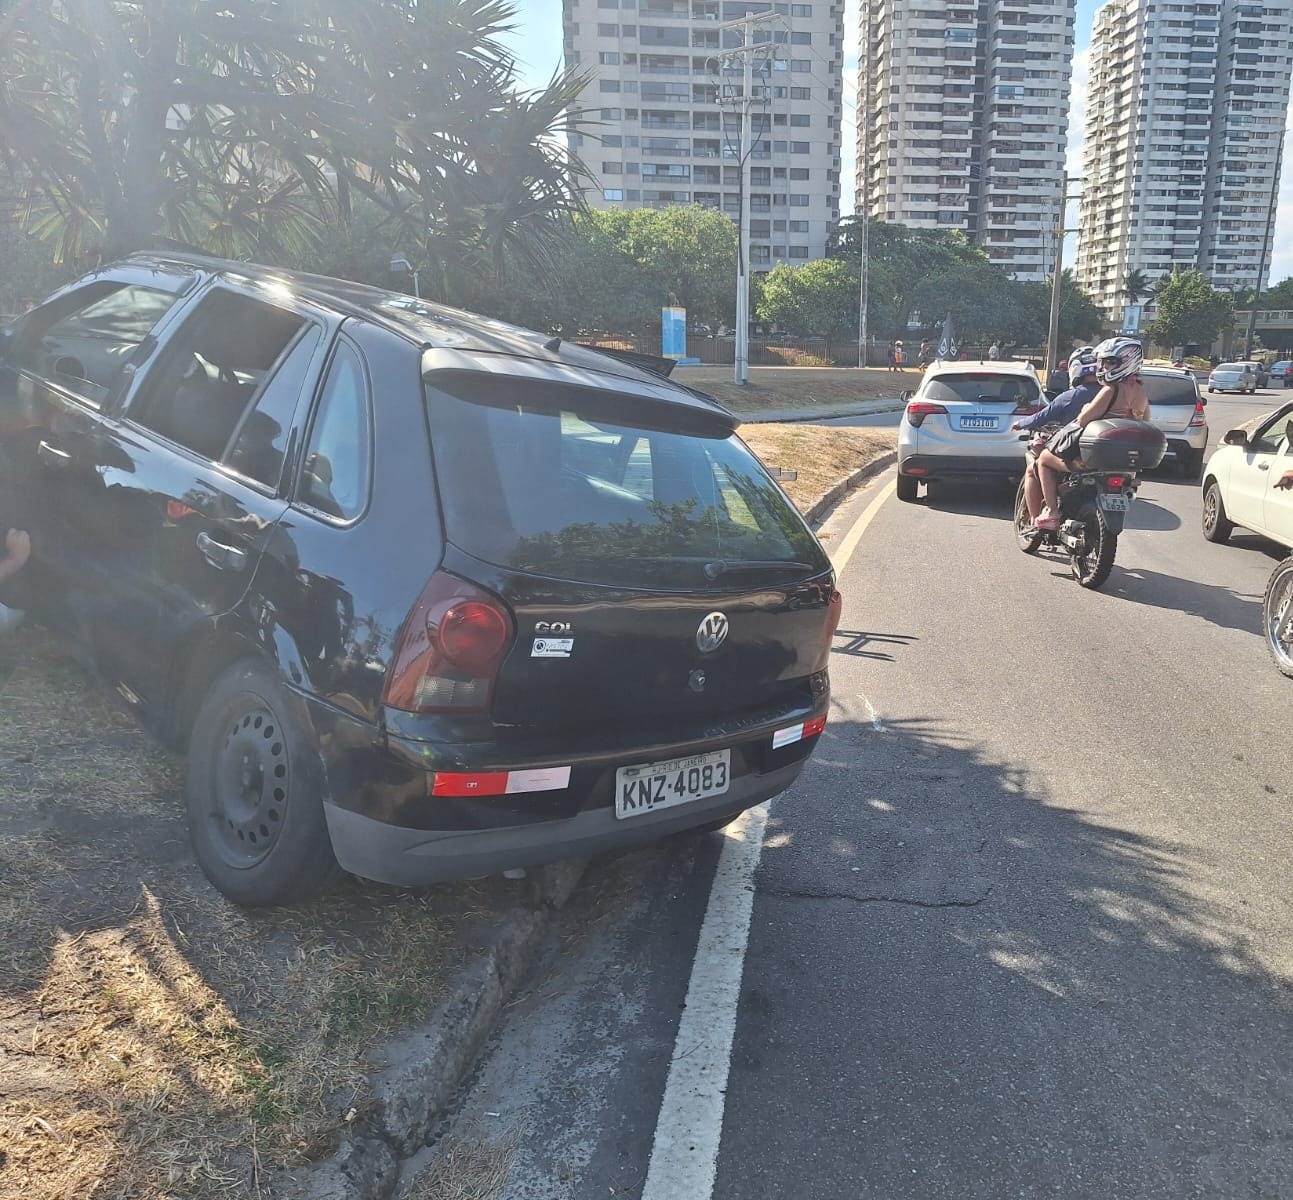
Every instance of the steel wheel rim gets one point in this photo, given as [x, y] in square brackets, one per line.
[249, 787]
[1281, 640]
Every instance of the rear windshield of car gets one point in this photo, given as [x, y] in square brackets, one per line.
[981, 387]
[1164, 389]
[1229, 367]
[565, 483]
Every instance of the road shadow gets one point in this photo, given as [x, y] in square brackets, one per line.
[987, 497]
[866, 645]
[1152, 517]
[1219, 605]
[973, 988]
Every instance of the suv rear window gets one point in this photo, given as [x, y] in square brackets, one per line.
[980, 387]
[562, 482]
[1162, 389]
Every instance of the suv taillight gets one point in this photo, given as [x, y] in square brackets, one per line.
[1200, 418]
[918, 410]
[453, 643]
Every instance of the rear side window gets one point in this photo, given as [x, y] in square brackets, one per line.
[335, 478]
[1164, 390]
[982, 387]
[555, 481]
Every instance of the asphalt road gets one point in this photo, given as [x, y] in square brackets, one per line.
[1023, 928]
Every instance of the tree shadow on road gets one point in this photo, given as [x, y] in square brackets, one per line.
[985, 989]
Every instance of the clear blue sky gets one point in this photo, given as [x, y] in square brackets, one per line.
[537, 46]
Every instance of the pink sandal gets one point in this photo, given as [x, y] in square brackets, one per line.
[1046, 522]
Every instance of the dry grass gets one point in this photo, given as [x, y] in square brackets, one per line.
[796, 387]
[156, 1041]
[820, 454]
[468, 1166]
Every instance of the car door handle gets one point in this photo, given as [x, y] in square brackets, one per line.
[219, 555]
[52, 455]
[1263, 466]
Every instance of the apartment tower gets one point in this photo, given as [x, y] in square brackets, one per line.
[1184, 126]
[662, 113]
[962, 121]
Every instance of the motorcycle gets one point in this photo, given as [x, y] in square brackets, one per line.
[1095, 500]
[1277, 616]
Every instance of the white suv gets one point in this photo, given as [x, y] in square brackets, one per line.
[958, 422]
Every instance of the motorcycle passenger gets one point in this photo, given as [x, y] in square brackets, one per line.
[1060, 411]
[1118, 362]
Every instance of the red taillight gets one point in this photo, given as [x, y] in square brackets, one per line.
[1115, 483]
[918, 410]
[1200, 418]
[449, 653]
[815, 726]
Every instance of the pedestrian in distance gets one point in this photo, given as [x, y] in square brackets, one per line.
[926, 355]
[1059, 379]
[899, 356]
[994, 351]
[893, 356]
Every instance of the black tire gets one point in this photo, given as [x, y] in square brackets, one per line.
[254, 792]
[1027, 537]
[1192, 465]
[1277, 616]
[1216, 526]
[907, 487]
[1092, 568]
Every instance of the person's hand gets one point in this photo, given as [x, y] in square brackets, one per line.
[1285, 481]
[18, 545]
[1017, 425]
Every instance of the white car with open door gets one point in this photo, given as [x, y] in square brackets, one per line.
[1239, 484]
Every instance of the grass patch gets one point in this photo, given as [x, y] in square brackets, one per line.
[820, 454]
[801, 388]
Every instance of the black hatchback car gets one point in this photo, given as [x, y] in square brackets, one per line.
[426, 596]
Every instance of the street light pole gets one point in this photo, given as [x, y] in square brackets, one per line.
[863, 165]
[1261, 265]
[1053, 329]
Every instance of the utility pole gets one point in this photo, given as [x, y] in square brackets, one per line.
[1266, 243]
[863, 163]
[746, 52]
[1053, 330]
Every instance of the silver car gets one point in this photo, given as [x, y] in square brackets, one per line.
[958, 422]
[1176, 407]
[1233, 377]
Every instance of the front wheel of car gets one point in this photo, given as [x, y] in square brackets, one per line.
[1216, 526]
[254, 792]
[907, 488]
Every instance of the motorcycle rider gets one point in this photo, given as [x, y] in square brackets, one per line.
[1118, 361]
[1060, 411]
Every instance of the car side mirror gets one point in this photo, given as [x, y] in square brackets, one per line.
[1235, 437]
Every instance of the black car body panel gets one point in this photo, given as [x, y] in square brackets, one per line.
[240, 462]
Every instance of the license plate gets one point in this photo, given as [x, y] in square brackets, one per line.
[1114, 502]
[650, 786]
[978, 422]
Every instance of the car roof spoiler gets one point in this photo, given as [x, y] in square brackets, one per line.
[635, 358]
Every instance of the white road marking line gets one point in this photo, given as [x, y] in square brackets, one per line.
[688, 1132]
[684, 1156]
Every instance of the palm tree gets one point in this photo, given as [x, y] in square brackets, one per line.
[1137, 286]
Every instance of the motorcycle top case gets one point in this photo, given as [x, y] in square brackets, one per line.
[1121, 444]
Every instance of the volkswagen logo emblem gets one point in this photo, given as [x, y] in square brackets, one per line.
[712, 632]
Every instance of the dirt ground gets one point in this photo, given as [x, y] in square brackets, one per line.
[797, 387]
[156, 1041]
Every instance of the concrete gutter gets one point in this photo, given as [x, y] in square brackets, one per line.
[415, 1076]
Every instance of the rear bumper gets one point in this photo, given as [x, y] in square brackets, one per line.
[407, 857]
[941, 466]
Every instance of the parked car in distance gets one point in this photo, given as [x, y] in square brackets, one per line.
[957, 424]
[1239, 487]
[1259, 369]
[426, 596]
[1176, 407]
[1282, 373]
[1233, 377]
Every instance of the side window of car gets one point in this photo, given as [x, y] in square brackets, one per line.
[211, 370]
[1270, 439]
[260, 443]
[335, 476]
[82, 340]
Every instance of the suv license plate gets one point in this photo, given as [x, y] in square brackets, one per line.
[1114, 502]
[978, 422]
[644, 788]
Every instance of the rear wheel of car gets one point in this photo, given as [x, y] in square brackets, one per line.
[254, 793]
[907, 488]
[1026, 535]
[1216, 526]
[1277, 616]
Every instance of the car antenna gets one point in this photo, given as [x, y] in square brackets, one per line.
[553, 344]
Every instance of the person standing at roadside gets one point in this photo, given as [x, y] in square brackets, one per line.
[899, 356]
[893, 356]
[994, 351]
[926, 355]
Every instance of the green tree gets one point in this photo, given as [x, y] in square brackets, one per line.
[1189, 311]
[244, 127]
[818, 297]
[1279, 295]
[1136, 286]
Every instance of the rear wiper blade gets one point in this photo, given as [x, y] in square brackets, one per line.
[747, 565]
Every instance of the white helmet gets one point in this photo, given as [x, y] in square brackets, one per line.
[1082, 364]
[1117, 357]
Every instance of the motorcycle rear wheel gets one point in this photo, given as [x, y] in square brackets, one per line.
[1092, 568]
[1027, 537]
[1277, 616]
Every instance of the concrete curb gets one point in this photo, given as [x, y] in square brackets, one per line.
[416, 1075]
[824, 412]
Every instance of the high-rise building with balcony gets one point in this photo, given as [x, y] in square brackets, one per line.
[662, 122]
[962, 121]
[1180, 161]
